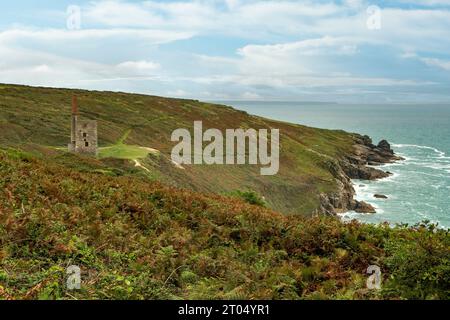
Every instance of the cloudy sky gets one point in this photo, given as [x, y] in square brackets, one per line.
[349, 51]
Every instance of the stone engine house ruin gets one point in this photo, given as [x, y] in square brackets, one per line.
[83, 134]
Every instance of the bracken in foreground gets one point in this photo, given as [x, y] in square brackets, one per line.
[134, 239]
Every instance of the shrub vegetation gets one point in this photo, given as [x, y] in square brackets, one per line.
[135, 239]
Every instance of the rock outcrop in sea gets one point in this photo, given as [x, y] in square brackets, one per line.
[360, 164]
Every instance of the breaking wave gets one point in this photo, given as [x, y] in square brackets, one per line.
[417, 190]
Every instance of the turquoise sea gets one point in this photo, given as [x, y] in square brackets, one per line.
[420, 187]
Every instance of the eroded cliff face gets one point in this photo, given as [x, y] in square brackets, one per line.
[358, 165]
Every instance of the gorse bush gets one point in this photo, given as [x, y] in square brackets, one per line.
[135, 239]
[249, 196]
[420, 264]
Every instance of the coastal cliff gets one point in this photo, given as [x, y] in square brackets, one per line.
[357, 165]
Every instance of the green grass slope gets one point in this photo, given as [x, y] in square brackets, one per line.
[32, 116]
[135, 239]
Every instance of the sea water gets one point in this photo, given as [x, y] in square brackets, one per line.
[419, 188]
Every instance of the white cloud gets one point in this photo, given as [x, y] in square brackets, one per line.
[443, 64]
[120, 14]
[297, 63]
[57, 57]
[268, 19]
[43, 68]
[136, 68]
[311, 47]
[40, 68]
[432, 62]
[249, 18]
[18, 36]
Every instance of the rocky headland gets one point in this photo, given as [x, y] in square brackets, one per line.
[361, 165]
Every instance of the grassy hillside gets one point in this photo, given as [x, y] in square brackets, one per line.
[138, 127]
[123, 219]
[135, 239]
